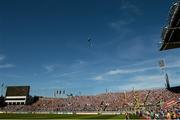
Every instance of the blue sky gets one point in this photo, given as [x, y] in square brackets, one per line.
[44, 44]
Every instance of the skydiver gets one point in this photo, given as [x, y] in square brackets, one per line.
[90, 42]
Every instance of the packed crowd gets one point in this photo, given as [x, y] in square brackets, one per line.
[147, 100]
[162, 114]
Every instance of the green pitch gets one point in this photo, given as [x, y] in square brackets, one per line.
[56, 116]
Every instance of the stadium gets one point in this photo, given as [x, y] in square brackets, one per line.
[17, 100]
[138, 104]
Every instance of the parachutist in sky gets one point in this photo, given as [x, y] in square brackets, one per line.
[90, 42]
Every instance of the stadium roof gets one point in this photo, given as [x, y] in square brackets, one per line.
[17, 90]
[171, 33]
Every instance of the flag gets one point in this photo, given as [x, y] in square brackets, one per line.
[170, 103]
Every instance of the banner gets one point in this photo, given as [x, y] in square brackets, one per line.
[170, 103]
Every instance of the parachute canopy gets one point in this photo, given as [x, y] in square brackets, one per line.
[171, 33]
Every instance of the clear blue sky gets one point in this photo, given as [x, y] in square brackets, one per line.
[44, 43]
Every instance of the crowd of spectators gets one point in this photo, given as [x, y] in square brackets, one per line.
[150, 101]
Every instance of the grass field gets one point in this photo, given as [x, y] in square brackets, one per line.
[56, 116]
